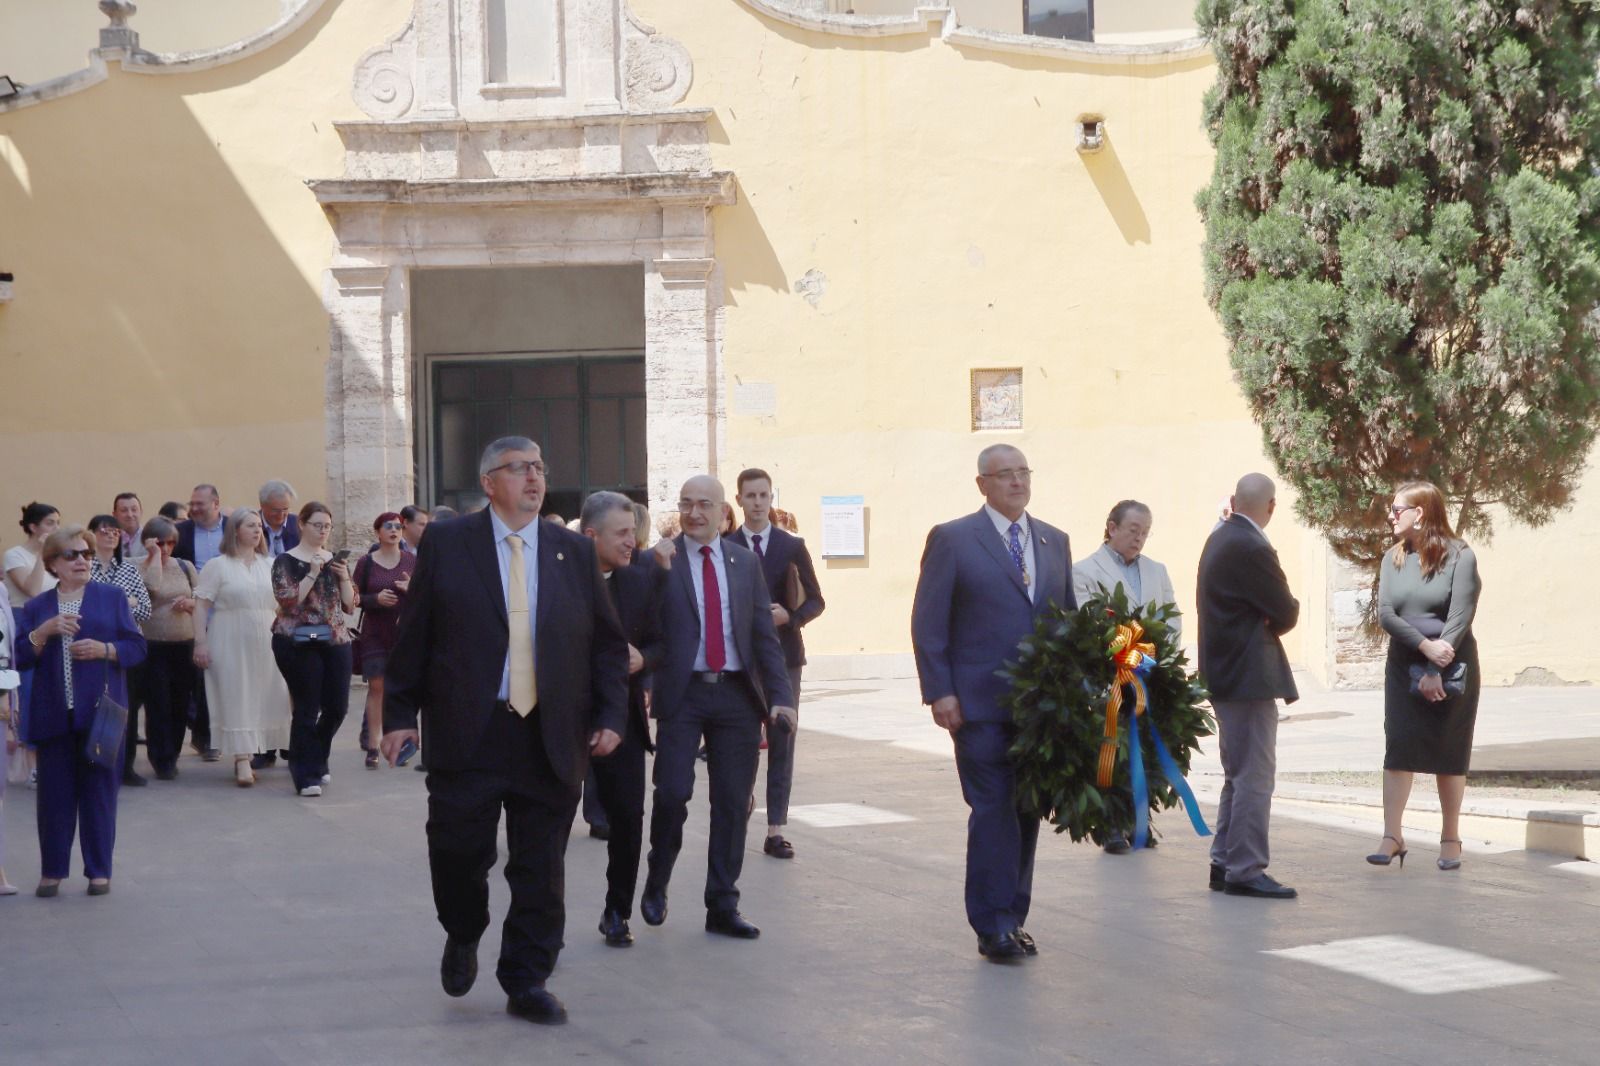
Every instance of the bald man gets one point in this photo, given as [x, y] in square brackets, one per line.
[720, 672]
[1244, 607]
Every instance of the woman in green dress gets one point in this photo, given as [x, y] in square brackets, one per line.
[1427, 595]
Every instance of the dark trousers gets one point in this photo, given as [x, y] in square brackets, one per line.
[727, 716]
[1000, 838]
[618, 787]
[136, 699]
[318, 676]
[75, 794]
[463, 826]
[199, 715]
[169, 677]
[780, 761]
[594, 812]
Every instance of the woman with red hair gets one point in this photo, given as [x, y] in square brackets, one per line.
[1427, 595]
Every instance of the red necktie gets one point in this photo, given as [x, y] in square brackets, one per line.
[759, 553]
[716, 654]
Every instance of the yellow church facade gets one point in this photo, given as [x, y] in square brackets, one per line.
[343, 242]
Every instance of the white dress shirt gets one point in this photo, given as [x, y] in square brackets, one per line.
[1002, 525]
[731, 660]
[530, 568]
[750, 536]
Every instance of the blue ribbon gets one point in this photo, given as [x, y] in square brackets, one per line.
[1169, 767]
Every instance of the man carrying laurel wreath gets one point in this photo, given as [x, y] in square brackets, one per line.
[985, 580]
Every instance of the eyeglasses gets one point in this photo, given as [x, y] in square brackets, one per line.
[168, 544]
[1396, 510]
[523, 469]
[81, 553]
[110, 529]
[691, 506]
[391, 525]
[321, 527]
[1017, 473]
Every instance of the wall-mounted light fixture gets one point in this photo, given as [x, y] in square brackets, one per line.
[1091, 133]
[9, 86]
[5, 287]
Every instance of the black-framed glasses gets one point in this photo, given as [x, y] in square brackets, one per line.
[79, 553]
[1398, 509]
[522, 468]
[1019, 473]
[391, 525]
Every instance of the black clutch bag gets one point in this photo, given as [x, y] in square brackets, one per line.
[103, 745]
[1454, 677]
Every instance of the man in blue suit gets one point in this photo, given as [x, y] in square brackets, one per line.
[985, 580]
[718, 673]
[796, 600]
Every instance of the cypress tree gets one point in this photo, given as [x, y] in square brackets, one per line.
[1403, 248]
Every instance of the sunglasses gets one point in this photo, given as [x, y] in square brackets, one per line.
[391, 525]
[81, 553]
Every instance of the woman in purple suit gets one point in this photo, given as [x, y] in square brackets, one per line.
[80, 637]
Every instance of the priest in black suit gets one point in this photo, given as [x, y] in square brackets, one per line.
[510, 650]
[718, 673]
[796, 601]
[618, 778]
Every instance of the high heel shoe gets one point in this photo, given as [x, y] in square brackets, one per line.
[1449, 864]
[1383, 858]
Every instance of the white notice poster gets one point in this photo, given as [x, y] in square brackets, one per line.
[844, 527]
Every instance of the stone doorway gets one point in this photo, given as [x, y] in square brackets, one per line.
[592, 168]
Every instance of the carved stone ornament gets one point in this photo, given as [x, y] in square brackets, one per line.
[657, 71]
[383, 85]
[119, 12]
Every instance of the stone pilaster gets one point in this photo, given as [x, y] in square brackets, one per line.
[369, 438]
[1359, 648]
[683, 374]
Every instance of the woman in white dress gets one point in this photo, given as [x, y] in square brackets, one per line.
[233, 644]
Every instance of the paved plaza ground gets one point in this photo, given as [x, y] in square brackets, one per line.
[250, 926]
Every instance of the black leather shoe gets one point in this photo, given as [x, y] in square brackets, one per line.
[653, 905]
[730, 923]
[1219, 877]
[1262, 887]
[166, 773]
[135, 779]
[537, 1006]
[600, 832]
[778, 848]
[615, 929]
[459, 967]
[263, 762]
[1029, 948]
[1002, 947]
[1117, 845]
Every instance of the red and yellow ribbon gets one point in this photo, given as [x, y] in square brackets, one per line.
[1128, 653]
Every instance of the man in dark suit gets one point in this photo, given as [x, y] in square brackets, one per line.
[718, 672]
[510, 650]
[617, 780]
[199, 542]
[278, 522]
[1244, 607]
[781, 554]
[985, 580]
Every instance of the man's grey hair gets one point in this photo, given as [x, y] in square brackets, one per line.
[993, 450]
[273, 489]
[601, 504]
[492, 454]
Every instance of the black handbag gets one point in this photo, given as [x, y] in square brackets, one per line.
[321, 633]
[103, 745]
[1454, 677]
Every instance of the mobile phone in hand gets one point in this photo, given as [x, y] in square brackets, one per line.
[407, 750]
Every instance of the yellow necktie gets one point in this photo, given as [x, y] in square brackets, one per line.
[524, 691]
